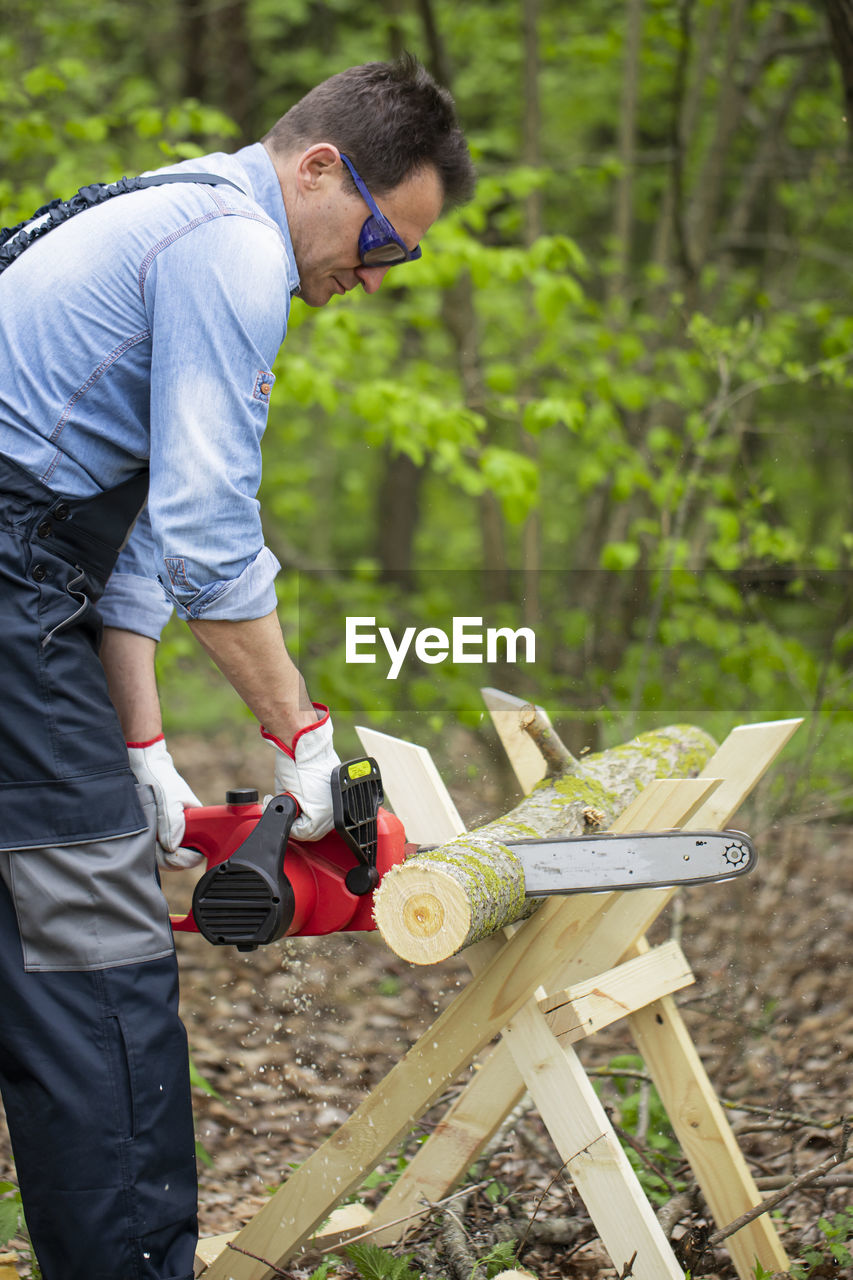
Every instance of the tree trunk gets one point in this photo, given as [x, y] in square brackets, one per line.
[398, 514]
[840, 16]
[531, 538]
[624, 211]
[445, 899]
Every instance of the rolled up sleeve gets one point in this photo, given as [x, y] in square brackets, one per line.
[134, 600]
[218, 301]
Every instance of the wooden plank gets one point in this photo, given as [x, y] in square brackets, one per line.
[590, 1150]
[414, 788]
[588, 1007]
[522, 752]
[477, 1014]
[705, 1135]
[699, 1121]
[210, 1247]
[569, 1105]
[513, 970]
[748, 751]
[742, 760]
[341, 1163]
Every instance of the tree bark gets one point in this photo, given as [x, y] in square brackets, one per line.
[398, 516]
[443, 900]
[624, 211]
[840, 18]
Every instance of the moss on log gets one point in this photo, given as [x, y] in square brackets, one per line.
[442, 900]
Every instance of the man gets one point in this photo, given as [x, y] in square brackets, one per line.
[136, 348]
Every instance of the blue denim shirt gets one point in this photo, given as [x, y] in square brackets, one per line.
[143, 331]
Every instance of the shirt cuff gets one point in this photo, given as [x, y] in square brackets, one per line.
[134, 603]
[251, 595]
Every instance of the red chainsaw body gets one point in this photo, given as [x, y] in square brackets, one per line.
[315, 868]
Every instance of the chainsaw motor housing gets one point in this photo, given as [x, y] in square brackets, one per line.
[261, 884]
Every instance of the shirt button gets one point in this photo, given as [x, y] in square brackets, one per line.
[39, 573]
[61, 511]
[265, 388]
[44, 528]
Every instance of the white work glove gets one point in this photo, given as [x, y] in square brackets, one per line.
[303, 769]
[152, 766]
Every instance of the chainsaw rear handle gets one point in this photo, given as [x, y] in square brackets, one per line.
[322, 886]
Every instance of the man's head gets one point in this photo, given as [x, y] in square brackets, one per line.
[397, 129]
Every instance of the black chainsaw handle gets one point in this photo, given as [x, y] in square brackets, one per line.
[247, 900]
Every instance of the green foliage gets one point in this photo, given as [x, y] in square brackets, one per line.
[325, 1268]
[501, 1257]
[11, 1212]
[658, 1139]
[199, 1081]
[640, 448]
[13, 1226]
[373, 1263]
[837, 1231]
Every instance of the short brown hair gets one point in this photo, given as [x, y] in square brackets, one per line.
[390, 119]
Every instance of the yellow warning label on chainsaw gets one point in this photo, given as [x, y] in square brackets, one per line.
[360, 769]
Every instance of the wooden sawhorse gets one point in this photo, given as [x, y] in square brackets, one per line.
[589, 949]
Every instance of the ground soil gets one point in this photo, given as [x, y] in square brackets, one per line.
[292, 1037]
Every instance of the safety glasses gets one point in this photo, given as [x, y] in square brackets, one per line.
[378, 242]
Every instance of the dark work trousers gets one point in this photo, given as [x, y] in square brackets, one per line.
[94, 1070]
[95, 1081]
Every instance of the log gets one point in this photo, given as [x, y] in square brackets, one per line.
[441, 900]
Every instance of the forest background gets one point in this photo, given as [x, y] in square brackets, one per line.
[610, 403]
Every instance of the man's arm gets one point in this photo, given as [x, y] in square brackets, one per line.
[128, 660]
[253, 658]
[251, 655]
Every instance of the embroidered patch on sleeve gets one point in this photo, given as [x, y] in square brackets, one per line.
[264, 384]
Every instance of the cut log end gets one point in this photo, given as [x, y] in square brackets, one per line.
[424, 916]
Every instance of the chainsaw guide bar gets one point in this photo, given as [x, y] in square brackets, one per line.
[647, 860]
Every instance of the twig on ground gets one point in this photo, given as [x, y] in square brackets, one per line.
[553, 1231]
[628, 1269]
[455, 1247]
[838, 1157]
[673, 1211]
[428, 1204]
[285, 1275]
[773, 1113]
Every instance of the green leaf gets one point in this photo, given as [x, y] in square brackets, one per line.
[43, 80]
[201, 1082]
[9, 1218]
[513, 478]
[374, 1263]
[619, 555]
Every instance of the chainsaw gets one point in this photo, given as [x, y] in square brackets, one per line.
[261, 884]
